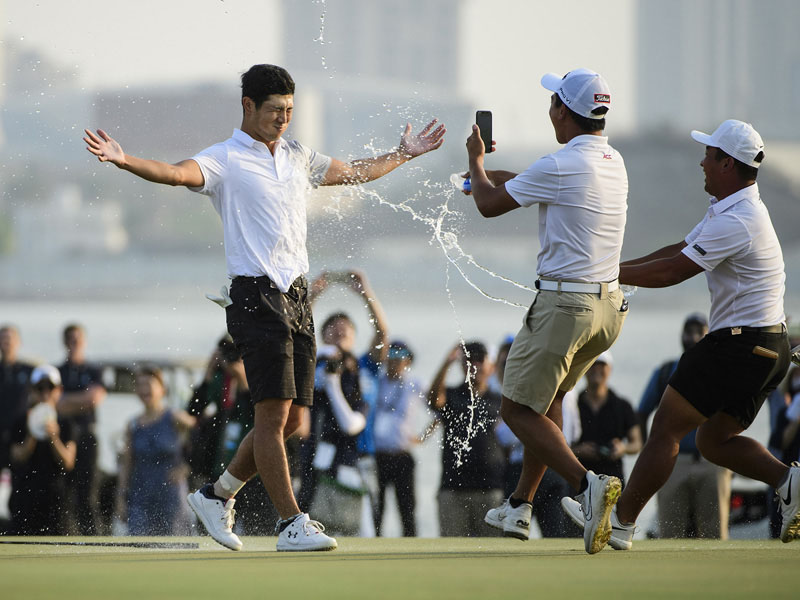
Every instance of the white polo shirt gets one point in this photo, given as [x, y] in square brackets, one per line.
[261, 199]
[582, 193]
[736, 245]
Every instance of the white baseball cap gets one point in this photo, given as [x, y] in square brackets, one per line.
[736, 138]
[46, 373]
[582, 90]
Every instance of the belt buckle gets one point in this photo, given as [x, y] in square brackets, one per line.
[736, 330]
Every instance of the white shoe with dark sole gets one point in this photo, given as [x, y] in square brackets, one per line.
[216, 515]
[305, 535]
[515, 522]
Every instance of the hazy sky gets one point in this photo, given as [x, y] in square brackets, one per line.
[507, 45]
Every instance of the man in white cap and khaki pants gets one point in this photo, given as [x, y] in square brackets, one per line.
[721, 382]
[578, 312]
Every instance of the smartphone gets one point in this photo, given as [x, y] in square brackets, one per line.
[483, 118]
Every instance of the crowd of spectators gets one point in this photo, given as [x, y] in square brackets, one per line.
[356, 447]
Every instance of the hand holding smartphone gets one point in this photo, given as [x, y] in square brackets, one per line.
[483, 119]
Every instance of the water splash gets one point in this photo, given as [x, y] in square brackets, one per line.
[321, 37]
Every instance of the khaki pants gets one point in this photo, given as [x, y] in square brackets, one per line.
[561, 335]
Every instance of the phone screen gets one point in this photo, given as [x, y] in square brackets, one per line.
[483, 118]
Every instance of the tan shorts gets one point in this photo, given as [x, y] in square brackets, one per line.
[561, 335]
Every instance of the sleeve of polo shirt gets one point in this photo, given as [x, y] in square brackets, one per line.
[696, 231]
[213, 164]
[539, 183]
[318, 165]
[718, 238]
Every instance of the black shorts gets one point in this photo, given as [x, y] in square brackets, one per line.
[275, 334]
[727, 373]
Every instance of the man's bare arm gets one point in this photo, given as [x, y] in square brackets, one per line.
[491, 197]
[665, 252]
[661, 272]
[363, 170]
[107, 149]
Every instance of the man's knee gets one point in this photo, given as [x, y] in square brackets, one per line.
[294, 421]
[272, 416]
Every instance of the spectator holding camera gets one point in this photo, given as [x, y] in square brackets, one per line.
[43, 453]
[337, 417]
[609, 427]
[472, 460]
[224, 387]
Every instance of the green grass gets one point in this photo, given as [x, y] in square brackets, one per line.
[404, 568]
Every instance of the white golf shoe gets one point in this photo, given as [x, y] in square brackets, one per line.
[621, 535]
[596, 504]
[304, 535]
[515, 522]
[216, 515]
[789, 502]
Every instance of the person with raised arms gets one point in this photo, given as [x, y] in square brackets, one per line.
[258, 183]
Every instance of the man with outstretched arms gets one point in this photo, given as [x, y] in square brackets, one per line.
[258, 182]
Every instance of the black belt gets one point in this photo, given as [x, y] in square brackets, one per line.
[726, 331]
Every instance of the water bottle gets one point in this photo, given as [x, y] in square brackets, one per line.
[461, 184]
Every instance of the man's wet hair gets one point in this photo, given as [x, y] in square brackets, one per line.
[746, 172]
[584, 123]
[261, 81]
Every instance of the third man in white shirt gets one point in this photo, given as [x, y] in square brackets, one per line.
[581, 192]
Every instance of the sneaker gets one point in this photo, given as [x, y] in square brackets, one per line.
[596, 504]
[515, 522]
[216, 515]
[304, 535]
[621, 535]
[789, 502]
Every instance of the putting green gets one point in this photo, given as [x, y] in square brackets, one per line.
[407, 568]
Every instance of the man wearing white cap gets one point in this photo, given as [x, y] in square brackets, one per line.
[721, 382]
[582, 192]
[43, 453]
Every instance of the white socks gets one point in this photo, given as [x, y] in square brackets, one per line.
[227, 485]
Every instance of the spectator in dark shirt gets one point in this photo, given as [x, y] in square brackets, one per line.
[43, 453]
[609, 427]
[472, 460]
[786, 435]
[83, 393]
[14, 377]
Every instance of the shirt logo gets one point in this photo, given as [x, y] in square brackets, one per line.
[699, 249]
[604, 98]
[607, 156]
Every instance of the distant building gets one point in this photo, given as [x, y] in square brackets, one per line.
[703, 62]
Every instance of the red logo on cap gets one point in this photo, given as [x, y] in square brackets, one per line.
[604, 98]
